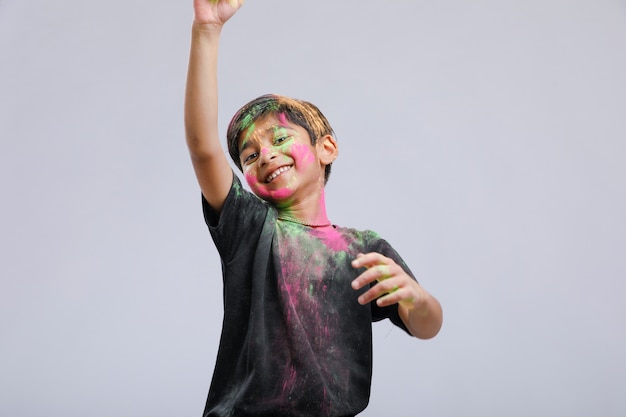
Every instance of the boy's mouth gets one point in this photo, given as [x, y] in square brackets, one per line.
[277, 172]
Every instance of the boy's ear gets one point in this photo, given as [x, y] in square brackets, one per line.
[327, 149]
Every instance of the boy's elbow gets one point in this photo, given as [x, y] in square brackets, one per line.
[429, 332]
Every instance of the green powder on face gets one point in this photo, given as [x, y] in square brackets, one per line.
[248, 127]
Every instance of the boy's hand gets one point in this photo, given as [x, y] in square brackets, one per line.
[420, 311]
[214, 12]
[394, 285]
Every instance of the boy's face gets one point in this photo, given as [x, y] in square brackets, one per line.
[279, 162]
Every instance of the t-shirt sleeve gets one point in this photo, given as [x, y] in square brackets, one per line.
[391, 312]
[238, 223]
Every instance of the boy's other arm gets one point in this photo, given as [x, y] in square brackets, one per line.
[420, 311]
[207, 155]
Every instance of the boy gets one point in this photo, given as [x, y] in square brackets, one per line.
[299, 293]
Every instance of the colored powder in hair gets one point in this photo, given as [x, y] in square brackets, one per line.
[246, 121]
[282, 119]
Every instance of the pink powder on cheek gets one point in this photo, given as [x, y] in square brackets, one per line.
[250, 179]
[257, 188]
[263, 192]
[302, 153]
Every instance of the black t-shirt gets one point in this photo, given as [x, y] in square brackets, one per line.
[295, 341]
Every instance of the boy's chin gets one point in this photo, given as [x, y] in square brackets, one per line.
[279, 198]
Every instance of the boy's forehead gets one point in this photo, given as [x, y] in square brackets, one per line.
[263, 126]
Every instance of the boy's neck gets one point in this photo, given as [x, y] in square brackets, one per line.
[311, 211]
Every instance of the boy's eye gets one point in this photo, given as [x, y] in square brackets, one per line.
[250, 158]
[281, 139]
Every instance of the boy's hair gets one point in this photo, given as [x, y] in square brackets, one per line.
[298, 112]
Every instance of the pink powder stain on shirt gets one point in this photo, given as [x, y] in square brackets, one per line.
[333, 239]
[289, 380]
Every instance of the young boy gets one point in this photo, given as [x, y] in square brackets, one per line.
[299, 293]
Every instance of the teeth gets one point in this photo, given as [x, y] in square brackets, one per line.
[276, 173]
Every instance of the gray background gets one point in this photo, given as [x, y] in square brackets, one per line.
[486, 140]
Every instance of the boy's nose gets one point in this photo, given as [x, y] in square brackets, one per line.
[267, 154]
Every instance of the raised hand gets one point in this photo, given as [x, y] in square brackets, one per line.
[215, 12]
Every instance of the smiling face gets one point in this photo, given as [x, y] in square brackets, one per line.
[279, 162]
[298, 112]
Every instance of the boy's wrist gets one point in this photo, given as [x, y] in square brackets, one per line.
[200, 27]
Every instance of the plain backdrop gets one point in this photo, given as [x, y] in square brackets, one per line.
[486, 140]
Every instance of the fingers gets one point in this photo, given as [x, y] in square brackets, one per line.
[393, 284]
[378, 267]
[370, 259]
[385, 293]
[215, 12]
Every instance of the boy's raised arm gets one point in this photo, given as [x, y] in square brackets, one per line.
[207, 155]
